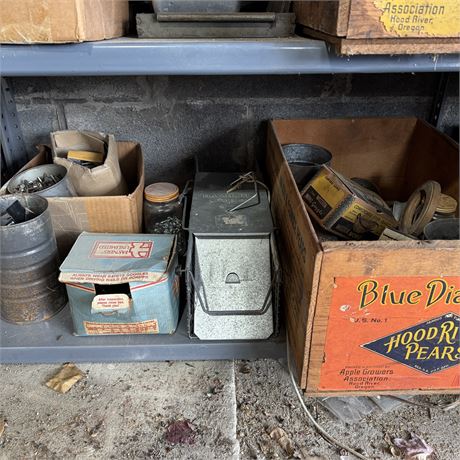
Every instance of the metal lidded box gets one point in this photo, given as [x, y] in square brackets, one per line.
[232, 269]
[122, 284]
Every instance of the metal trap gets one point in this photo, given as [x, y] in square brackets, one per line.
[232, 269]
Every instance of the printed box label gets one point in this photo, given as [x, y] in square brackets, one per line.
[110, 302]
[122, 250]
[142, 327]
[392, 333]
[411, 18]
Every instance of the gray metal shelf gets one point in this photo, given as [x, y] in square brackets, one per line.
[53, 341]
[132, 56]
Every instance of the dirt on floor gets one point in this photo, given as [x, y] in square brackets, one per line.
[266, 400]
[120, 411]
[196, 410]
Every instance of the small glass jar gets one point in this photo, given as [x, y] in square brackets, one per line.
[163, 211]
[446, 207]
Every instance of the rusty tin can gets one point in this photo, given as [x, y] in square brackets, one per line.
[29, 261]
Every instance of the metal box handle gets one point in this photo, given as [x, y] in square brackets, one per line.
[204, 302]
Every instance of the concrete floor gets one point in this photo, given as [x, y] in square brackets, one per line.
[127, 411]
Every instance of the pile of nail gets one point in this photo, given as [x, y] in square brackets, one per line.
[37, 184]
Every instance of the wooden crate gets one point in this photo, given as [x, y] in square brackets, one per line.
[335, 343]
[383, 26]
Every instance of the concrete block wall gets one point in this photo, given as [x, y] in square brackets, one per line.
[222, 118]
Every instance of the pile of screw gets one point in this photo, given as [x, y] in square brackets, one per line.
[40, 183]
[172, 225]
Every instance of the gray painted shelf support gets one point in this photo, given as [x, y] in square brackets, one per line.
[133, 56]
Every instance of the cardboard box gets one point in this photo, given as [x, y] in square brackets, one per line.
[122, 284]
[112, 214]
[345, 208]
[61, 21]
[369, 317]
[103, 180]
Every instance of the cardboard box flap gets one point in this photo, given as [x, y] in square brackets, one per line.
[118, 258]
[103, 180]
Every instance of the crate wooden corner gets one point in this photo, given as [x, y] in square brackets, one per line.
[366, 27]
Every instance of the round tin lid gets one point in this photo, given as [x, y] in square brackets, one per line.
[446, 205]
[161, 192]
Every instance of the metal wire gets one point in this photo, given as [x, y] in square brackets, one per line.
[318, 427]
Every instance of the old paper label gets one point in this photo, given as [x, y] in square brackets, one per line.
[393, 333]
[411, 18]
[110, 302]
[142, 327]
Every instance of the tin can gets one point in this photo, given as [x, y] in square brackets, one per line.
[61, 188]
[305, 161]
[442, 229]
[29, 286]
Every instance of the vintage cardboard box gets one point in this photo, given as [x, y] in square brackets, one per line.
[122, 284]
[114, 214]
[369, 317]
[103, 180]
[61, 21]
[345, 208]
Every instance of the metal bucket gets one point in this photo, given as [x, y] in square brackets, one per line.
[443, 229]
[62, 188]
[29, 286]
[305, 161]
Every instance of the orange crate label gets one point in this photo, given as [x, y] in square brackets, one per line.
[393, 333]
[142, 327]
[412, 18]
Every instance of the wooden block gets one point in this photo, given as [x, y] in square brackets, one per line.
[327, 16]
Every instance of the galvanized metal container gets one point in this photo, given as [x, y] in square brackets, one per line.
[62, 188]
[231, 272]
[443, 229]
[305, 161]
[29, 286]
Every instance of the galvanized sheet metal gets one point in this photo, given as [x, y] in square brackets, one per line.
[29, 286]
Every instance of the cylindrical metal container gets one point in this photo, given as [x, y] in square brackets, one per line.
[443, 229]
[62, 188]
[29, 286]
[305, 161]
